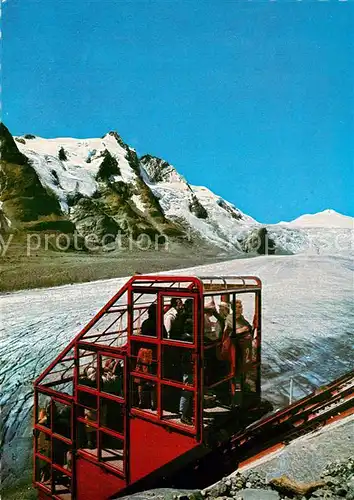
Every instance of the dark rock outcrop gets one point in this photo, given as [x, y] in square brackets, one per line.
[108, 167]
[91, 220]
[234, 212]
[158, 170]
[197, 208]
[258, 242]
[62, 154]
[24, 197]
[8, 150]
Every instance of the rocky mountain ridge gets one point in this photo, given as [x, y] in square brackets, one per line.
[101, 187]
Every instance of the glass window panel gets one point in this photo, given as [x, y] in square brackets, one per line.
[112, 370]
[61, 485]
[215, 313]
[87, 406]
[44, 444]
[178, 319]
[109, 322]
[61, 453]
[112, 451]
[61, 419]
[143, 394]
[177, 361]
[112, 415]
[87, 368]
[113, 339]
[87, 438]
[145, 314]
[43, 473]
[178, 405]
[87, 400]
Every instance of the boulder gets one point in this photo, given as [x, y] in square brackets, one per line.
[220, 489]
[290, 487]
[253, 494]
[165, 494]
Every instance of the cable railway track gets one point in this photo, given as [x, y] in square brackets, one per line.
[272, 432]
[305, 415]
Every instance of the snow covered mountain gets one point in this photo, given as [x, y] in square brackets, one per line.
[100, 186]
[327, 232]
[328, 218]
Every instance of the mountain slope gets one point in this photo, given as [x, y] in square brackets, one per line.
[137, 196]
[102, 187]
[23, 196]
[328, 218]
[196, 207]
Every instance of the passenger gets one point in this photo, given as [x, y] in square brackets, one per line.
[44, 445]
[220, 367]
[69, 460]
[91, 434]
[210, 335]
[185, 360]
[112, 377]
[242, 325]
[146, 388]
[61, 426]
[230, 344]
[224, 311]
[172, 318]
[149, 326]
[89, 376]
[186, 321]
[62, 420]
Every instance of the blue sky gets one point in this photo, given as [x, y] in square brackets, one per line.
[252, 99]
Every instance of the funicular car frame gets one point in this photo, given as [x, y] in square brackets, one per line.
[95, 438]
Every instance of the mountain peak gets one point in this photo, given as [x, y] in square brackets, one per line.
[117, 137]
[9, 152]
[325, 218]
[159, 170]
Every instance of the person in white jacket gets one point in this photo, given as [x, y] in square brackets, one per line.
[171, 315]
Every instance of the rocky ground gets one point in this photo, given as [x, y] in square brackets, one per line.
[335, 483]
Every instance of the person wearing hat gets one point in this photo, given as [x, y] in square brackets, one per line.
[234, 347]
[210, 333]
[224, 311]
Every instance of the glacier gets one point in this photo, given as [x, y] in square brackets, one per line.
[308, 325]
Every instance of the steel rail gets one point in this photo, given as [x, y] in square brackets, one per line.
[305, 415]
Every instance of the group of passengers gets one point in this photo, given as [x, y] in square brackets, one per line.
[111, 376]
[219, 344]
[58, 419]
[220, 338]
[177, 325]
[111, 382]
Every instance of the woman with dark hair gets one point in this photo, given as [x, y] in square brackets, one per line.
[149, 326]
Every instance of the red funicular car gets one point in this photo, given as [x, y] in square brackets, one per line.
[150, 385]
